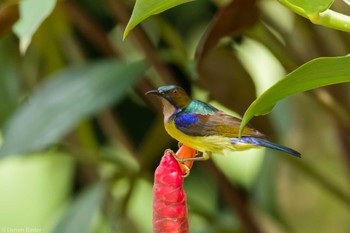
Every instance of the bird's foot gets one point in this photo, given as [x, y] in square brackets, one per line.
[203, 155]
[169, 151]
[187, 170]
[180, 160]
[200, 156]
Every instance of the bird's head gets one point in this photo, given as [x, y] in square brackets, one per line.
[174, 95]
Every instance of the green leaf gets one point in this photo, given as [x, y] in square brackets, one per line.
[146, 8]
[65, 99]
[32, 14]
[309, 7]
[79, 216]
[316, 73]
[33, 190]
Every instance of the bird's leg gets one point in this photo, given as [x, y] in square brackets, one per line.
[200, 156]
[203, 156]
[187, 172]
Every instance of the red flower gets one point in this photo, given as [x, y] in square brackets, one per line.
[169, 205]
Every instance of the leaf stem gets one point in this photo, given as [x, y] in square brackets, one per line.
[333, 19]
[327, 18]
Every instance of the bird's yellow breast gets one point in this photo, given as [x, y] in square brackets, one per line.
[214, 143]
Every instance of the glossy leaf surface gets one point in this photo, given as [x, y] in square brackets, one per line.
[311, 7]
[146, 8]
[314, 74]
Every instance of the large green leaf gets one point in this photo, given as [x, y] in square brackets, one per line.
[146, 8]
[316, 73]
[63, 100]
[79, 215]
[32, 14]
[310, 7]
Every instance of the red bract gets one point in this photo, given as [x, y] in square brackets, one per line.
[169, 204]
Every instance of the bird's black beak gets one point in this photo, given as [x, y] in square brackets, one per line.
[162, 95]
[153, 92]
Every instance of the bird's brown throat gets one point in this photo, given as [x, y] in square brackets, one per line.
[168, 110]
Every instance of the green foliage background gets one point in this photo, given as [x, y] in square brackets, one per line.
[80, 141]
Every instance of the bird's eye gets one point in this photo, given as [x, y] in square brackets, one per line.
[175, 91]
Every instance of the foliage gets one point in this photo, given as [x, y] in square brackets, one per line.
[316, 73]
[80, 141]
[30, 20]
[65, 99]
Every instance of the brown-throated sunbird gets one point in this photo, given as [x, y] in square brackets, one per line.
[205, 128]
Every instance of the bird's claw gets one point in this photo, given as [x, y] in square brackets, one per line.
[170, 151]
[180, 160]
[187, 170]
[200, 156]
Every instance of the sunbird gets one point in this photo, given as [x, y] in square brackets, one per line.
[205, 128]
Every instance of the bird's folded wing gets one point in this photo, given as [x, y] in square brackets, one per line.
[219, 123]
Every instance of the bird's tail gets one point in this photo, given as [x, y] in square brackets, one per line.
[268, 144]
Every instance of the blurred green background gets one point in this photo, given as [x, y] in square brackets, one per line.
[80, 141]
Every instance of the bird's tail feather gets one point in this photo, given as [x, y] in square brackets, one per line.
[274, 146]
[268, 144]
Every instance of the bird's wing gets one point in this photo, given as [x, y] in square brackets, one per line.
[195, 124]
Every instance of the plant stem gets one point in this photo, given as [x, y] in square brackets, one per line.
[327, 18]
[333, 19]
